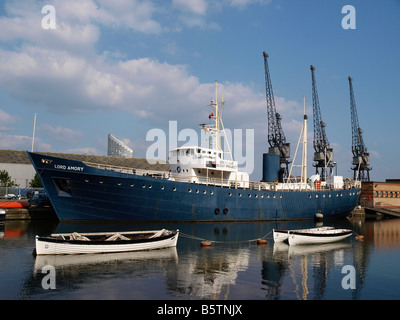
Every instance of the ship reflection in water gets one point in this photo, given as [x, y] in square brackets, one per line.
[230, 269]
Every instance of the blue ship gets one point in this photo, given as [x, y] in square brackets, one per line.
[200, 185]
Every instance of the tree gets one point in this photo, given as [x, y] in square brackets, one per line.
[36, 182]
[5, 179]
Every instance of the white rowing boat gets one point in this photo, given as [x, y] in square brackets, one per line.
[106, 242]
[312, 236]
[283, 235]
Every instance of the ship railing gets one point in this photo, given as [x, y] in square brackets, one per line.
[211, 181]
[110, 167]
[129, 170]
[220, 181]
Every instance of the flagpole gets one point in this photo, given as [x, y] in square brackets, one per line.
[33, 134]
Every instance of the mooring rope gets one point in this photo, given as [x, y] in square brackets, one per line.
[215, 241]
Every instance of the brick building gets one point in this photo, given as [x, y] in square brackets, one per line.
[381, 194]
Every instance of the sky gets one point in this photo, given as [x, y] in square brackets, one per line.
[129, 67]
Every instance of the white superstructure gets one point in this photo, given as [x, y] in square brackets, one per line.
[208, 165]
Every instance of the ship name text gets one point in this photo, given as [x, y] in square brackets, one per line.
[68, 168]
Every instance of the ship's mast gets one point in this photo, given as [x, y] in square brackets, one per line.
[304, 158]
[215, 130]
[303, 134]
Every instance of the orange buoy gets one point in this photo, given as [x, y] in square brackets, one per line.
[261, 241]
[205, 243]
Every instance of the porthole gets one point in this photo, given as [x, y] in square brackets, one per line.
[162, 187]
[143, 186]
[249, 195]
[204, 191]
[211, 192]
[240, 194]
[316, 196]
[132, 185]
[268, 196]
[329, 195]
[86, 180]
[256, 195]
[150, 186]
[262, 196]
[119, 183]
[230, 194]
[197, 190]
[309, 196]
[280, 197]
[274, 196]
[101, 182]
[174, 189]
[189, 190]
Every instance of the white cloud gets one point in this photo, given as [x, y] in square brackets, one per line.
[6, 120]
[61, 134]
[59, 70]
[62, 83]
[19, 142]
[194, 6]
[24, 23]
[133, 14]
[241, 4]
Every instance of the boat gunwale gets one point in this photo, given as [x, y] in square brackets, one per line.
[105, 242]
[340, 232]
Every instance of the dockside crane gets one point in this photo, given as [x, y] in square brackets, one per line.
[323, 153]
[276, 137]
[361, 164]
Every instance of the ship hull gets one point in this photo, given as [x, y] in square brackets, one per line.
[81, 192]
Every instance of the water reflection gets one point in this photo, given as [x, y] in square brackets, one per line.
[231, 269]
[383, 233]
[208, 273]
[308, 266]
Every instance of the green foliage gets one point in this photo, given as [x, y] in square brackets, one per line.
[5, 179]
[35, 182]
